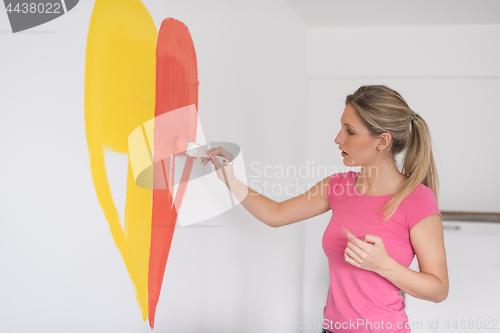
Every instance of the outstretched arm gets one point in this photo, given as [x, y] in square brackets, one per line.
[431, 283]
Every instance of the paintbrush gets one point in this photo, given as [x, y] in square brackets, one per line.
[183, 147]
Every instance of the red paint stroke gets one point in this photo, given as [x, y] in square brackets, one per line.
[176, 87]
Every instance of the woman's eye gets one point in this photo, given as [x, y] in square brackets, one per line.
[350, 133]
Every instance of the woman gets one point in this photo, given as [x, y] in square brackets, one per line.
[381, 217]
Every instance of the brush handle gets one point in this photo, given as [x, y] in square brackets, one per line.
[201, 153]
[222, 159]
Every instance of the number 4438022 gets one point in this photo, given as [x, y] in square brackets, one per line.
[472, 324]
[46, 8]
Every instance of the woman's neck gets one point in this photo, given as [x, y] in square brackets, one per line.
[381, 179]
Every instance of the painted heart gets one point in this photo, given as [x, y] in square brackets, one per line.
[133, 74]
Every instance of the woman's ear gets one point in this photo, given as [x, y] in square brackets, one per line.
[385, 140]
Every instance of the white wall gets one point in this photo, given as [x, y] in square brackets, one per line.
[61, 271]
[261, 84]
[450, 75]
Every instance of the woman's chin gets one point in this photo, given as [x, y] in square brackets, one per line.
[349, 163]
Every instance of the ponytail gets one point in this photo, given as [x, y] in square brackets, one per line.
[384, 110]
[418, 165]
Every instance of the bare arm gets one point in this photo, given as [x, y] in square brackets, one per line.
[304, 206]
[431, 283]
[276, 214]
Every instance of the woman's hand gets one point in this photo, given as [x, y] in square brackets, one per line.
[368, 253]
[228, 169]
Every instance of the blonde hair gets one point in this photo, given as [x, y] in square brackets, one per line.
[383, 110]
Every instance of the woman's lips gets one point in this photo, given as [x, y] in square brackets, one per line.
[344, 153]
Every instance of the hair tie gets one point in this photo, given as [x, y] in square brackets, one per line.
[414, 116]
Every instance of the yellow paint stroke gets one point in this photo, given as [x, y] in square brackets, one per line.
[120, 85]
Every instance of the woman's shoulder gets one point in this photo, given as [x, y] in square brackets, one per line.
[421, 195]
[338, 177]
[421, 203]
[422, 189]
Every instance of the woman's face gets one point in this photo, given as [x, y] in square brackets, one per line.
[355, 140]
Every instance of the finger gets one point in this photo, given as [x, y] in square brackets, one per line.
[214, 150]
[372, 239]
[356, 250]
[367, 241]
[222, 152]
[350, 260]
[353, 254]
[216, 162]
[355, 240]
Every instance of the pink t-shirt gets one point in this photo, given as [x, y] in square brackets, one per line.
[359, 300]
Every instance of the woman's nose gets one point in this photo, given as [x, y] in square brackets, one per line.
[338, 139]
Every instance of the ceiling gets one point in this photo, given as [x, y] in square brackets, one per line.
[397, 12]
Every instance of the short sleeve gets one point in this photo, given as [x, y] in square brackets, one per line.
[335, 180]
[421, 205]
